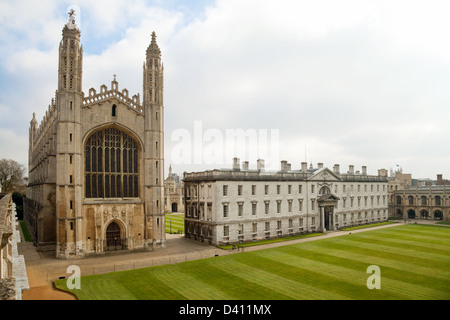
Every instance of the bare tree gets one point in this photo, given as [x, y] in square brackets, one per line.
[11, 174]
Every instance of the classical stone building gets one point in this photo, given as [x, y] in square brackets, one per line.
[429, 203]
[418, 198]
[240, 204]
[96, 161]
[173, 193]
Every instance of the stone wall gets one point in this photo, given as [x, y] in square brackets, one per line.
[13, 277]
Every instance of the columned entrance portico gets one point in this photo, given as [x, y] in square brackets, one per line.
[327, 203]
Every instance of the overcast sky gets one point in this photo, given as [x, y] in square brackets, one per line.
[347, 82]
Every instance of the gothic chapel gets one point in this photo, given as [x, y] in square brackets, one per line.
[96, 162]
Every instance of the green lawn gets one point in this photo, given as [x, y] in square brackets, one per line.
[363, 226]
[25, 232]
[174, 223]
[414, 261]
[273, 240]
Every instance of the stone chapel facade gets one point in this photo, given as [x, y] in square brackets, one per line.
[96, 162]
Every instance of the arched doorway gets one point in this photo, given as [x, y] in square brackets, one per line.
[174, 207]
[438, 215]
[411, 214]
[424, 214]
[113, 239]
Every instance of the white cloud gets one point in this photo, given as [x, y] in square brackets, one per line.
[358, 82]
[14, 146]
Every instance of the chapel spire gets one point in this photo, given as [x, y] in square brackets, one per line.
[70, 57]
[153, 74]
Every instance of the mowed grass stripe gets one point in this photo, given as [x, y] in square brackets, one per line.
[174, 222]
[242, 280]
[378, 257]
[354, 266]
[179, 279]
[103, 289]
[353, 242]
[230, 285]
[356, 279]
[146, 285]
[407, 245]
[423, 231]
[325, 285]
[281, 286]
[202, 280]
[358, 262]
[415, 283]
[382, 248]
[112, 286]
[400, 233]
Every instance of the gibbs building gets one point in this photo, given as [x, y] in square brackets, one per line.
[96, 161]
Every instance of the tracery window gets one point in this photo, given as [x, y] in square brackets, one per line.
[111, 165]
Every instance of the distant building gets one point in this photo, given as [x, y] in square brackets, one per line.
[173, 193]
[442, 182]
[430, 202]
[399, 181]
[239, 204]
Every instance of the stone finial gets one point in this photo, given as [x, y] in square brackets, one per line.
[33, 121]
[71, 22]
[153, 47]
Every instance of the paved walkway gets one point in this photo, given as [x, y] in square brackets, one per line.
[44, 268]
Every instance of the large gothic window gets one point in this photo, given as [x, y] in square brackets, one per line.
[111, 165]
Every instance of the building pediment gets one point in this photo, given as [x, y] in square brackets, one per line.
[329, 197]
[324, 174]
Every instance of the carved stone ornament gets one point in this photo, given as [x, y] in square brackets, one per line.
[71, 22]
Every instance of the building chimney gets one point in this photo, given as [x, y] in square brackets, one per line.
[260, 164]
[320, 165]
[283, 165]
[336, 168]
[288, 167]
[351, 169]
[382, 173]
[304, 166]
[364, 170]
[236, 165]
[245, 165]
